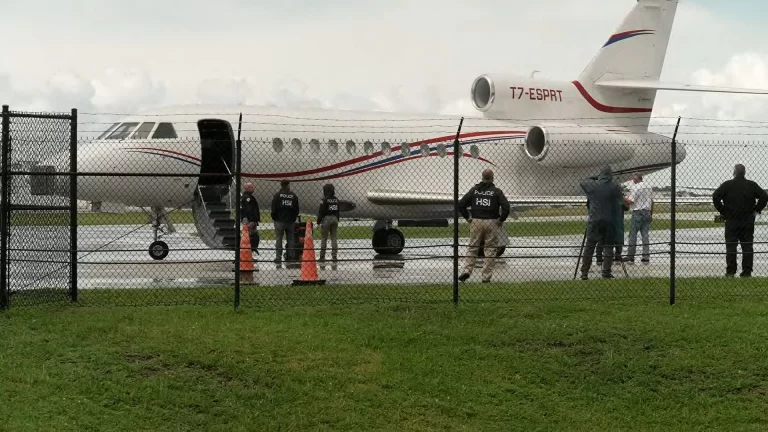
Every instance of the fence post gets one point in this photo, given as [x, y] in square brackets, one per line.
[456, 156]
[4, 206]
[673, 217]
[73, 205]
[238, 216]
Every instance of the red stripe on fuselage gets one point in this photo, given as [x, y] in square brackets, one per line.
[605, 108]
[379, 153]
[347, 174]
[163, 150]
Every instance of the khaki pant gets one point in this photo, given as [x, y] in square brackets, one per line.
[330, 227]
[482, 230]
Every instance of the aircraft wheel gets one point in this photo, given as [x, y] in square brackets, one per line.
[388, 242]
[158, 250]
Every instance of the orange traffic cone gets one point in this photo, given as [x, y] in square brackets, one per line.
[246, 255]
[308, 263]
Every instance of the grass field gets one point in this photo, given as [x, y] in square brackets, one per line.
[599, 365]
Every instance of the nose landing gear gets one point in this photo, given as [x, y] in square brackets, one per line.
[158, 250]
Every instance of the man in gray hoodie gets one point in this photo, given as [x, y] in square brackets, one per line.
[603, 197]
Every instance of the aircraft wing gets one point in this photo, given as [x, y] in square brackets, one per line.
[402, 197]
[657, 85]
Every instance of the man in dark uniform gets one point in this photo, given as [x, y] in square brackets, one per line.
[328, 220]
[490, 209]
[735, 200]
[249, 212]
[603, 196]
[285, 210]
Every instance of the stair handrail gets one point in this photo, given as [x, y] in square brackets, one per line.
[230, 189]
[202, 200]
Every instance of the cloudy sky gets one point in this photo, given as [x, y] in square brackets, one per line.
[400, 55]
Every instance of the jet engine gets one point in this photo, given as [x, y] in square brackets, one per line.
[570, 146]
[485, 96]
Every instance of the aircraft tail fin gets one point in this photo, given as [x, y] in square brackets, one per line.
[638, 47]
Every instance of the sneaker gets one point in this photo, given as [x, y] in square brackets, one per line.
[464, 277]
[628, 260]
[584, 276]
[610, 276]
[745, 275]
[645, 261]
[486, 281]
[730, 275]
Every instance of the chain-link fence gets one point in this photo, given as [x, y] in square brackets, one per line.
[262, 209]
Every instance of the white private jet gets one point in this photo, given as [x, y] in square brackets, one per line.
[393, 167]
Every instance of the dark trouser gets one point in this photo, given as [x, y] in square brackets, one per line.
[599, 232]
[739, 231]
[254, 239]
[287, 229]
[599, 252]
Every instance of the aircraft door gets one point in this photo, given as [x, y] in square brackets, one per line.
[217, 153]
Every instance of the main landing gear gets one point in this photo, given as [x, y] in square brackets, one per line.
[387, 240]
[158, 250]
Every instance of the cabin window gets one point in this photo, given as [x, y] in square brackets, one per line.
[424, 150]
[405, 149]
[474, 151]
[386, 149]
[368, 147]
[277, 145]
[333, 146]
[143, 131]
[164, 131]
[351, 147]
[123, 131]
[296, 144]
[314, 145]
[110, 129]
[441, 150]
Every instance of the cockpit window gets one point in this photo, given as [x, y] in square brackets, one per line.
[164, 131]
[111, 128]
[123, 131]
[143, 131]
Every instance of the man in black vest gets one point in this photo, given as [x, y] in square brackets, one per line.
[249, 211]
[328, 220]
[285, 210]
[490, 209]
[735, 200]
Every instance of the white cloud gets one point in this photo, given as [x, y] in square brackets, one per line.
[235, 91]
[127, 91]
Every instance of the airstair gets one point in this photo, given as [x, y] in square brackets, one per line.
[213, 213]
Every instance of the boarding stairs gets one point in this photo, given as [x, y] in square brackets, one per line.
[213, 213]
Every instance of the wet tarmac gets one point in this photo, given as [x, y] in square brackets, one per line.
[117, 257]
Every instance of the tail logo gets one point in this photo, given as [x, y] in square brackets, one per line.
[618, 37]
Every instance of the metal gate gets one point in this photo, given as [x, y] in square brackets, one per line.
[38, 250]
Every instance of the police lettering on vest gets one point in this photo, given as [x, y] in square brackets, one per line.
[286, 200]
[332, 205]
[486, 201]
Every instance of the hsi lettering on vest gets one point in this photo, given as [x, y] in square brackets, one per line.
[482, 202]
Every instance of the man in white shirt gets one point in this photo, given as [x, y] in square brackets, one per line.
[640, 201]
